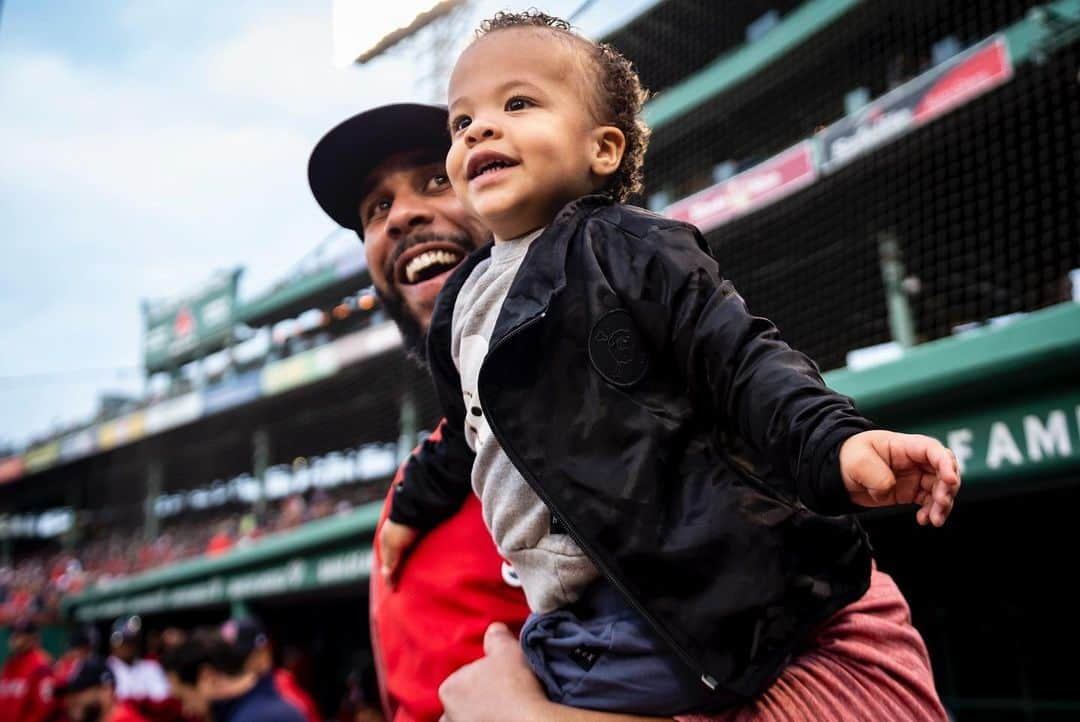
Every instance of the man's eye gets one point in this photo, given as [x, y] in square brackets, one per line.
[460, 123]
[377, 209]
[518, 104]
[438, 182]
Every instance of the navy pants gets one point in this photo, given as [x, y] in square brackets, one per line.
[601, 654]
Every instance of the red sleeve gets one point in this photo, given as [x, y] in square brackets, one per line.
[295, 695]
[451, 589]
[40, 703]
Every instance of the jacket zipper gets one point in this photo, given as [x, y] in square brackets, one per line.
[706, 679]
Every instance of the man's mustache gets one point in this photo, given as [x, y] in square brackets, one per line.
[459, 239]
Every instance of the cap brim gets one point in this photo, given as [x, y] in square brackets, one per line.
[343, 159]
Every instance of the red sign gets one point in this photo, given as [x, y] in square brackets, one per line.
[917, 102]
[11, 468]
[765, 183]
[987, 68]
[184, 323]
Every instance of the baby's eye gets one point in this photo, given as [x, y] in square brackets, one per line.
[460, 123]
[438, 182]
[518, 103]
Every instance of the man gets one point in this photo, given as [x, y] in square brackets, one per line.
[138, 680]
[26, 681]
[89, 694]
[236, 693]
[250, 640]
[82, 643]
[182, 662]
[382, 174]
[415, 232]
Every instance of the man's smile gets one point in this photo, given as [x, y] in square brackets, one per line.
[424, 261]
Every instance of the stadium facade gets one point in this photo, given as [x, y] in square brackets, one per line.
[895, 183]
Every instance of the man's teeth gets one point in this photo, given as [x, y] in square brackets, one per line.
[427, 259]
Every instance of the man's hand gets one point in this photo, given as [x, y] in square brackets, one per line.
[394, 542]
[882, 468]
[489, 688]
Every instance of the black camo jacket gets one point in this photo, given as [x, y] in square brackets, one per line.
[690, 452]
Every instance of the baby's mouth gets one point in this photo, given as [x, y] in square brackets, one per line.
[488, 162]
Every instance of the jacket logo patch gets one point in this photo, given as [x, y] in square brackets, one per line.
[585, 657]
[615, 349]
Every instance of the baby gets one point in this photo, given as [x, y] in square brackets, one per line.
[666, 476]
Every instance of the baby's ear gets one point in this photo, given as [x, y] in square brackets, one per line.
[609, 144]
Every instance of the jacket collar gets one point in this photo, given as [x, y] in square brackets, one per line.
[542, 275]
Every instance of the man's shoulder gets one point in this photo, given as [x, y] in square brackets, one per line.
[267, 706]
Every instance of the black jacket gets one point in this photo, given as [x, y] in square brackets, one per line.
[672, 434]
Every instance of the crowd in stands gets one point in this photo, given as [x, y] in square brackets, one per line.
[176, 674]
[38, 579]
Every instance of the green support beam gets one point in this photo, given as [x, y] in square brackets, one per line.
[745, 61]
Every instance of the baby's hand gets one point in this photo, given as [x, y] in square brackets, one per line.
[881, 468]
[394, 541]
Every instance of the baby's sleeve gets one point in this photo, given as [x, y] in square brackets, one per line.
[746, 376]
[436, 481]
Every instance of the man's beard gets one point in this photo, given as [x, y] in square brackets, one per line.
[91, 713]
[413, 335]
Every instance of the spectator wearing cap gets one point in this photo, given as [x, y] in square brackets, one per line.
[251, 640]
[138, 680]
[26, 680]
[89, 694]
[83, 642]
[183, 663]
[236, 693]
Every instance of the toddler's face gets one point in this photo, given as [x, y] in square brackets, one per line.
[523, 139]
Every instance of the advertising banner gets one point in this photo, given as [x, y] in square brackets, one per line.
[917, 102]
[765, 183]
[232, 392]
[176, 330]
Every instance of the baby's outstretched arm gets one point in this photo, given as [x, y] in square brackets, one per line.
[882, 468]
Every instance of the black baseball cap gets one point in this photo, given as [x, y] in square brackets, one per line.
[24, 625]
[84, 635]
[88, 672]
[244, 634]
[342, 160]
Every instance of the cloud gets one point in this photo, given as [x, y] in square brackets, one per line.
[285, 62]
[125, 181]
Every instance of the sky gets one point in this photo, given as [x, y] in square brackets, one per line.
[145, 144]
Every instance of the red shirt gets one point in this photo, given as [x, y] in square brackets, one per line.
[450, 589]
[26, 688]
[123, 712]
[294, 694]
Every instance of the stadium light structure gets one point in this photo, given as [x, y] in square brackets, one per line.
[363, 32]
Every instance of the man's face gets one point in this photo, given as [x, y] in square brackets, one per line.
[191, 701]
[125, 650]
[19, 642]
[415, 233]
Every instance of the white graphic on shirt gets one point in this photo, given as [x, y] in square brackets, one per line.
[470, 358]
[510, 576]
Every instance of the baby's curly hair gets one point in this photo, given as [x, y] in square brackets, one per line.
[619, 95]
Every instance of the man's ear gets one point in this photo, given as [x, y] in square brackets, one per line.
[609, 144]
